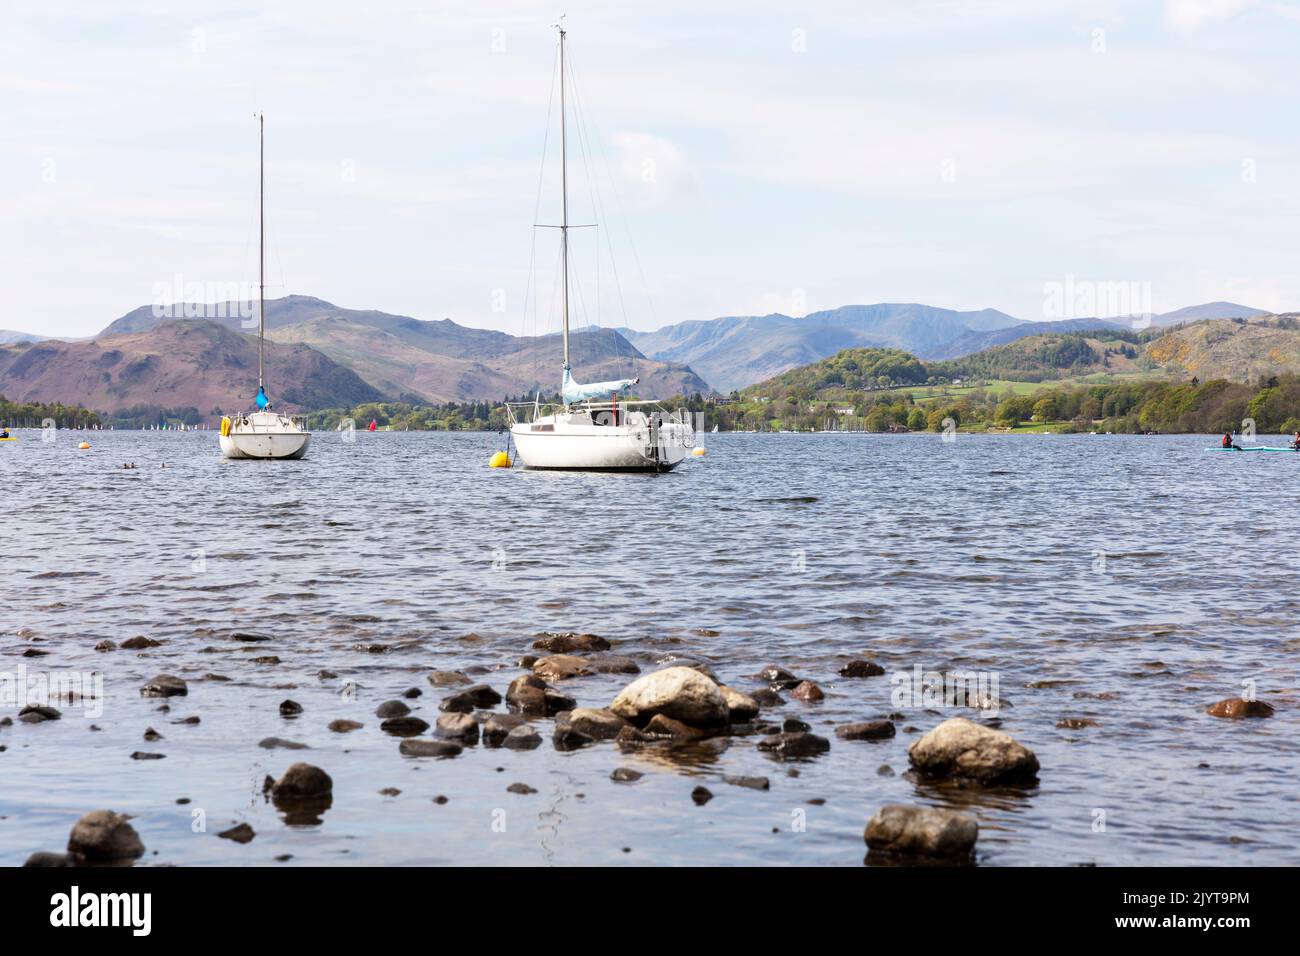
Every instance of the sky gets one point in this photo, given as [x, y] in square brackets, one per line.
[741, 158]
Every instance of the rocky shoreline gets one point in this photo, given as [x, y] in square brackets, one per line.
[676, 711]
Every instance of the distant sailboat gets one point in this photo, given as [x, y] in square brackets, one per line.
[264, 433]
[585, 434]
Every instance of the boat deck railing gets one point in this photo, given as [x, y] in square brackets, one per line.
[245, 424]
[534, 410]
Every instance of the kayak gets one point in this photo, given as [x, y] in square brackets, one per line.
[11, 438]
[1253, 448]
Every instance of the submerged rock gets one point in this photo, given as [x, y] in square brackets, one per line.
[469, 699]
[103, 836]
[140, 643]
[521, 788]
[38, 713]
[498, 727]
[303, 781]
[570, 642]
[701, 795]
[793, 725]
[44, 858]
[279, 743]
[806, 690]
[290, 708]
[1236, 707]
[766, 697]
[344, 726]
[963, 750]
[561, 667]
[861, 669]
[392, 708]
[786, 746]
[142, 755]
[241, 833]
[866, 730]
[404, 726]
[447, 678]
[523, 737]
[626, 775]
[778, 678]
[531, 695]
[585, 725]
[106, 646]
[612, 664]
[460, 727]
[749, 783]
[922, 831]
[661, 726]
[1075, 723]
[740, 707]
[164, 685]
[429, 748]
[680, 693]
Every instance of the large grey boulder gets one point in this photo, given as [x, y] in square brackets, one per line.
[681, 693]
[963, 750]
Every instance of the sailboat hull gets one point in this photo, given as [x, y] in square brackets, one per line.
[558, 446]
[283, 446]
[266, 435]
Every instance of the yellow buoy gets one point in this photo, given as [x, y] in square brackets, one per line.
[84, 445]
[225, 426]
[500, 460]
[698, 452]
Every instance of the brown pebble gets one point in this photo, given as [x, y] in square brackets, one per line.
[861, 669]
[241, 833]
[807, 691]
[1236, 707]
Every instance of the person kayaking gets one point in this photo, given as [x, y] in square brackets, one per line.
[1228, 442]
[4, 433]
[1295, 442]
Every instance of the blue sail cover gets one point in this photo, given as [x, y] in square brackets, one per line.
[573, 392]
[262, 400]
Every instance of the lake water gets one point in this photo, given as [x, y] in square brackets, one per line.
[1129, 580]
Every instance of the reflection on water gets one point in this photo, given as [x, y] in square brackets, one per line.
[1119, 580]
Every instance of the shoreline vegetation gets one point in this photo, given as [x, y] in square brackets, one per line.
[857, 403]
[859, 390]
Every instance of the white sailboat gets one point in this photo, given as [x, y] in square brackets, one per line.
[264, 433]
[592, 430]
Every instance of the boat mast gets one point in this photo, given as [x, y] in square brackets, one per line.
[564, 193]
[261, 249]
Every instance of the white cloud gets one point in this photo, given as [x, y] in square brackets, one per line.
[1193, 14]
[652, 166]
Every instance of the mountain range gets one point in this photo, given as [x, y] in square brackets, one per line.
[324, 356]
[736, 351]
[150, 359]
[192, 363]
